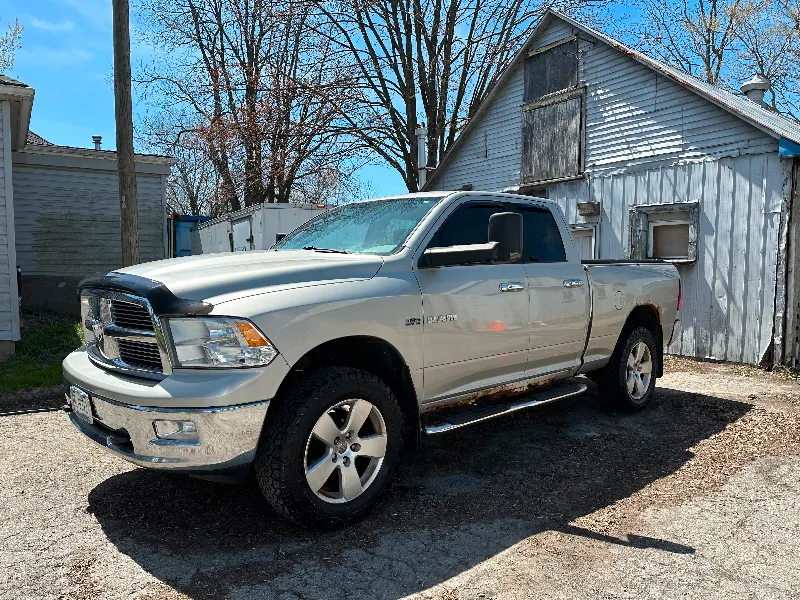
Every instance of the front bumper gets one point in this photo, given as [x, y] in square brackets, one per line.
[227, 434]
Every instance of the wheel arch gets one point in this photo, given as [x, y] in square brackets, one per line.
[649, 317]
[374, 355]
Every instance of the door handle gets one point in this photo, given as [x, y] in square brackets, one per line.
[573, 283]
[514, 286]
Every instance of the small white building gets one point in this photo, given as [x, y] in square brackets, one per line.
[59, 214]
[647, 161]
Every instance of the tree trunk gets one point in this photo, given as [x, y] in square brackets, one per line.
[126, 161]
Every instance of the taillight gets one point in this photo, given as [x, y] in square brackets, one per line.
[680, 294]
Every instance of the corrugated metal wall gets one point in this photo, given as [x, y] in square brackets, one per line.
[728, 294]
[651, 141]
[67, 220]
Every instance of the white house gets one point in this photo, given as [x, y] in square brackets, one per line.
[59, 214]
[647, 161]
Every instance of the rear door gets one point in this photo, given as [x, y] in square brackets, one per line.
[559, 293]
[475, 334]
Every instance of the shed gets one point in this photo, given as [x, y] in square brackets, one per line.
[648, 162]
[59, 214]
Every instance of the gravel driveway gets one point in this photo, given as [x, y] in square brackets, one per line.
[697, 496]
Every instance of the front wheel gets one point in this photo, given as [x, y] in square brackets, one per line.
[330, 447]
[629, 379]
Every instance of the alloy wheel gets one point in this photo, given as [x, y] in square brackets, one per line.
[345, 451]
[639, 370]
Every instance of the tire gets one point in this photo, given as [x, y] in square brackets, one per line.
[629, 379]
[295, 451]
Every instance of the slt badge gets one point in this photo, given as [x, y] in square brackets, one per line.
[442, 318]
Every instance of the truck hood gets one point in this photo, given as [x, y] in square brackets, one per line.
[227, 276]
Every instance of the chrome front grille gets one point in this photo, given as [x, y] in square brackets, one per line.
[142, 355]
[131, 316]
[122, 334]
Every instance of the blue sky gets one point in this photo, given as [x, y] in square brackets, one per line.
[67, 57]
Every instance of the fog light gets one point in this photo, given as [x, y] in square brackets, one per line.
[176, 430]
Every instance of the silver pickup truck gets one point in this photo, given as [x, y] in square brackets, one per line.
[311, 364]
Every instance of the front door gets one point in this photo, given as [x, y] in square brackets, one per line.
[475, 334]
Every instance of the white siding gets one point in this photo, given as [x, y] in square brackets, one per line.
[490, 158]
[636, 114]
[728, 293]
[68, 220]
[9, 313]
[650, 140]
[633, 114]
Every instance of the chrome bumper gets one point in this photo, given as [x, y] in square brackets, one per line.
[228, 436]
[227, 408]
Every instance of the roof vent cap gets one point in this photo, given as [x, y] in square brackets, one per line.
[756, 88]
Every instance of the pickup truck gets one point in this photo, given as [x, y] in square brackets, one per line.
[310, 365]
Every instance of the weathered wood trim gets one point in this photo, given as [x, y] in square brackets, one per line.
[524, 188]
[10, 233]
[552, 45]
[792, 335]
[556, 97]
[639, 227]
[782, 282]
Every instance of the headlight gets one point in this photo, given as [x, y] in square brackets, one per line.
[210, 342]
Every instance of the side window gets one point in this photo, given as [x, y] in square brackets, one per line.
[469, 224]
[541, 237]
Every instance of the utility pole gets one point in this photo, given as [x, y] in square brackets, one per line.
[126, 164]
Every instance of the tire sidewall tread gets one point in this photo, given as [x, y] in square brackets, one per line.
[278, 466]
[612, 380]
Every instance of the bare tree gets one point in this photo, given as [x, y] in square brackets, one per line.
[426, 60]
[263, 86]
[10, 42]
[769, 44]
[725, 42]
[698, 36]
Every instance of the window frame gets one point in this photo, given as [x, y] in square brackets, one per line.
[641, 215]
[595, 236]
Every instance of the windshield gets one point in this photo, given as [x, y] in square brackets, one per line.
[373, 227]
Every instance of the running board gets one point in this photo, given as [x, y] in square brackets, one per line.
[484, 413]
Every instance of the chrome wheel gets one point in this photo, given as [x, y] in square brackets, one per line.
[345, 451]
[639, 371]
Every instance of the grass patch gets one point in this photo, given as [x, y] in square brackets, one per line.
[47, 338]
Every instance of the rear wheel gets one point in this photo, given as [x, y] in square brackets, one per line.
[629, 379]
[330, 447]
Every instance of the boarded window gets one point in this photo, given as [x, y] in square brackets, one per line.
[551, 70]
[551, 144]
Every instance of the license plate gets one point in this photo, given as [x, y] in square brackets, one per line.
[81, 404]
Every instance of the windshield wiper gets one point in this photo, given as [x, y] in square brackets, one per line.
[333, 250]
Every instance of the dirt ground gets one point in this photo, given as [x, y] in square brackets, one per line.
[698, 496]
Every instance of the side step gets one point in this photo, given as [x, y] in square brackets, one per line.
[475, 414]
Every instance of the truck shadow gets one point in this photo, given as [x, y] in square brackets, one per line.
[463, 498]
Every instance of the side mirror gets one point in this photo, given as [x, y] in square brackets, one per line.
[460, 255]
[506, 229]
